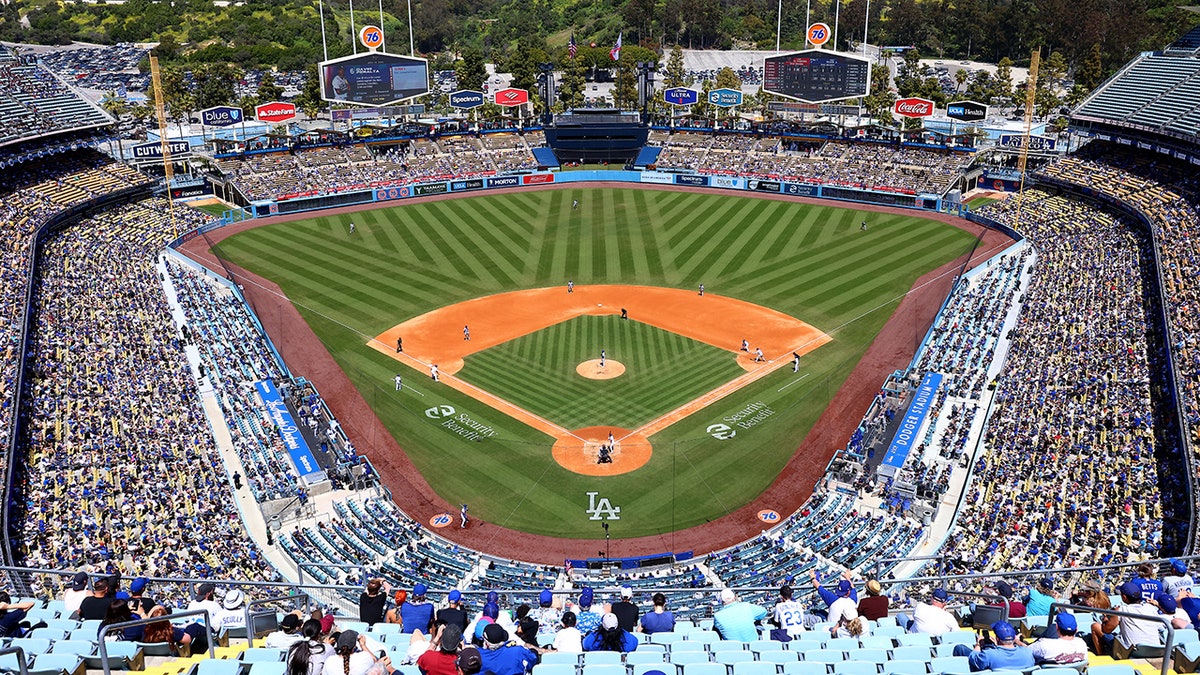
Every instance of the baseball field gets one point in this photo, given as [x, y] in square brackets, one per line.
[516, 423]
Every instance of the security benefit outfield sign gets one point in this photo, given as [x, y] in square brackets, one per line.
[293, 438]
[966, 111]
[725, 98]
[375, 79]
[817, 75]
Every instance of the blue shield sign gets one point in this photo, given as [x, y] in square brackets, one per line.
[466, 99]
[726, 98]
[681, 96]
[221, 116]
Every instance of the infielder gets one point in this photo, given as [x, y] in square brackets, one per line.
[462, 515]
[795, 362]
[433, 372]
[399, 382]
[758, 355]
[745, 345]
[466, 332]
[570, 286]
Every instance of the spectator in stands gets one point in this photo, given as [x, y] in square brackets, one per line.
[193, 638]
[587, 618]
[206, 600]
[1145, 580]
[526, 626]
[502, 657]
[468, 662]
[1132, 631]
[1066, 648]
[95, 607]
[875, 606]
[847, 622]
[75, 593]
[1006, 653]
[159, 631]
[308, 656]
[1016, 609]
[610, 637]
[140, 604]
[658, 620]
[11, 616]
[1040, 597]
[627, 612]
[828, 596]
[417, 614]
[288, 633]
[393, 614]
[232, 613]
[447, 638]
[453, 612]
[787, 616]
[737, 620]
[372, 601]
[568, 640]
[355, 654]
[118, 612]
[1168, 606]
[548, 616]
[933, 618]
[1179, 579]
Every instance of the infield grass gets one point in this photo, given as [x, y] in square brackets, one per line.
[810, 262]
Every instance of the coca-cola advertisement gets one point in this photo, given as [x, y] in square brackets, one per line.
[913, 107]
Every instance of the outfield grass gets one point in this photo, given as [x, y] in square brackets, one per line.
[663, 371]
[810, 262]
[980, 202]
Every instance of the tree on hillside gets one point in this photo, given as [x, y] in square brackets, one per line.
[470, 70]
[572, 84]
[674, 75]
[625, 90]
[523, 63]
[879, 102]
[960, 78]
[1002, 85]
[728, 79]
[267, 89]
[1090, 73]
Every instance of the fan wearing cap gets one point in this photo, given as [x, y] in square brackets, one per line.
[502, 657]
[453, 612]
[610, 637]
[1016, 608]
[372, 601]
[828, 596]
[548, 616]
[1040, 597]
[288, 633]
[587, 618]
[627, 612]
[736, 619]
[932, 618]
[206, 599]
[355, 654]
[1066, 648]
[843, 603]
[233, 611]
[468, 662]
[140, 603]
[1179, 579]
[417, 613]
[95, 606]
[75, 592]
[1007, 653]
[440, 660]
[1168, 606]
[1132, 631]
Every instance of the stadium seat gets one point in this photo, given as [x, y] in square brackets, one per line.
[558, 658]
[80, 647]
[385, 629]
[911, 653]
[906, 667]
[872, 655]
[1111, 669]
[950, 665]
[685, 658]
[359, 627]
[154, 648]
[604, 669]
[121, 656]
[56, 664]
[704, 669]
[67, 625]
[804, 668]
[687, 646]
[631, 659]
[401, 639]
[35, 615]
[779, 656]
[409, 670]
[732, 656]
[32, 646]
[268, 668]
[666, 638]
[759, 646]
[708, 637]
[958, 637]
[877, 642]
[824, 655]
[545, 668]
[844, 644]
[643, 668]
[855, 668]
[255, 654]
[754, 668]
[600, 658]
[890, 631]
[914, 639]
[217, 667]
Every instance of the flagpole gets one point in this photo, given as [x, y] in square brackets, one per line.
[779, 24]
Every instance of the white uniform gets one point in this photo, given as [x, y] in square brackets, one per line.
[789, 616]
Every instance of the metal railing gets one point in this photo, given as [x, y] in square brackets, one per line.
[105, 630]
[1168, 644]
[22, 662]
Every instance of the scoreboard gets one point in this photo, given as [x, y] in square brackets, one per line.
[817, 75]
[374, 79]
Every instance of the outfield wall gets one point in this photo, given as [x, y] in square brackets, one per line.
[717, 181]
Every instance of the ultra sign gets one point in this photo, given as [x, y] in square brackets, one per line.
[681, 96]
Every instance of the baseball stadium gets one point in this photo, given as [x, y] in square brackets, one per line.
[584, 361]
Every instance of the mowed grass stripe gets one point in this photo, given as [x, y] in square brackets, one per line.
[509, 240]
[491, 256]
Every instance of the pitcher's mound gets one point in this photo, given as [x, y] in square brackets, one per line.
[593, 371]
[580, 452]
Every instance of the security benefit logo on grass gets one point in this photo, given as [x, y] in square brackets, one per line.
[460, 423]
[746, 418]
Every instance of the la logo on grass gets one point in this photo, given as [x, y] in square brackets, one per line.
[602, 509]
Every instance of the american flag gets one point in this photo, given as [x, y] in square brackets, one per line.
[571, 48]
[615, 52]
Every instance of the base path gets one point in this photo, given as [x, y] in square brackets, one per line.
[307, 357]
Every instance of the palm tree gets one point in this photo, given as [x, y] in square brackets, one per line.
[960, 76]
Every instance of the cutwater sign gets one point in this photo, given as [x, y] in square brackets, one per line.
[154, 150]
[221, 116]
[726, 98]
[466, 99]
[293, 439]
[681, 96]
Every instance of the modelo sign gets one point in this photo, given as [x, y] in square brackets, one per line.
[221, 116]
[466, 99]
[681, 96]
[275, 112]
[512, 97]
[726, 98]
[966, 111]
[913, 107]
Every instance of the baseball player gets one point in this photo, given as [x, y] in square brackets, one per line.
[399, 382]
[433, 372]
[795, 362]
[466, 332]
[351, 228]
[570, 286]
[758, 355]
[462, 515]
[399, 345]
[745, 345]
[702, 289]
[602, 356]
[574, 204]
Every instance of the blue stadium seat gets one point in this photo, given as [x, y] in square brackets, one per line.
[255, 654]
[51, 634]
[80, 647]
[666, 638]
[601, 658]
[632, 658]
[409, 670]
[958, 637]
[755, 668]
[914, 639]
[1111, 669]
[37, 614]
[950, 665]
[704, 669]
[385, 629]
[217, 667]
[890, 631]
[766, 645]
[32, 646]
[401, 639]
[706, 636]
[872, 655]
[121, 656]
[359, 627]
[605, 669]
[554, 658]
[855, 668]
[779, 656]
[844, 644]
[805, 668]
[685, 658]
[544, 668]
[63, 624]
[906, 667]
[732, 656]
[687, 646]
[877, 642]
[643, 668]
[824, 655]
[268, 668]
[56, 664]
[911, 653]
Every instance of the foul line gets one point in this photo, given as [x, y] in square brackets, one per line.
[792, 382]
